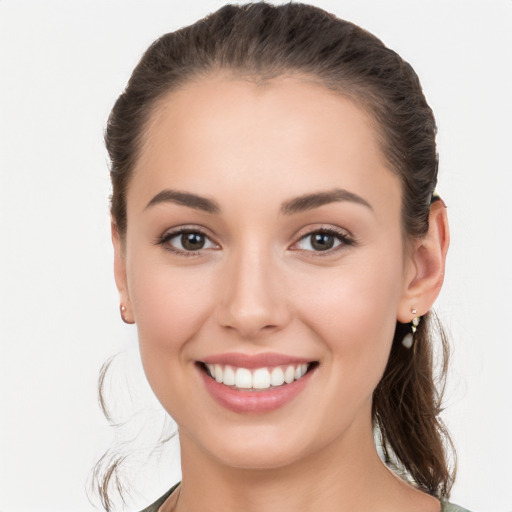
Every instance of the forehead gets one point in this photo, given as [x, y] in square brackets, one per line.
[287, 136]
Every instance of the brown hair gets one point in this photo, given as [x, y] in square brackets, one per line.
[259, 42]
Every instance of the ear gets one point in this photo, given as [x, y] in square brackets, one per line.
[425, 269]
[120, 274]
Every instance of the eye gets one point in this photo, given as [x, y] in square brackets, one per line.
[323, 240]
[187, 241]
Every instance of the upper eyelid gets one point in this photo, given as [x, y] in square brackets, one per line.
[170, 232]
[309, 230]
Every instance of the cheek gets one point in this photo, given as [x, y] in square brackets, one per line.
[170, 305]
[166, 307]
[353, 310]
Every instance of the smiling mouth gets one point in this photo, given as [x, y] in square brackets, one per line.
[258, 379]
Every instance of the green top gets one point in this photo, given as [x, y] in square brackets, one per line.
[445, 506]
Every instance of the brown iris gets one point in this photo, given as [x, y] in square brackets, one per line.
[322, 241]
[192, 241]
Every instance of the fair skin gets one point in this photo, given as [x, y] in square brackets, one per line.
[259, 281]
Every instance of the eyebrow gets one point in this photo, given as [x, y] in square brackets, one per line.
[295, 205]
[185, 199]
[315, 200]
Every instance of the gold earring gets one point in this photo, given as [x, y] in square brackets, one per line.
[408, 340]
[122, 310]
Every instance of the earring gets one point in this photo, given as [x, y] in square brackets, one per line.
[408, 340]
[122, 310]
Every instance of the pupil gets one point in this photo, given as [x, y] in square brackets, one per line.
[322, 241]
[192, 241]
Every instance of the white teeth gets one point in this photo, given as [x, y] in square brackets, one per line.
[289, 375]
[243, 378]
[277, 376]
[218, 373]
[261, 378]
[229, 376]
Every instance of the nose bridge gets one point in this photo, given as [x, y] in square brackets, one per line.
[251, 301]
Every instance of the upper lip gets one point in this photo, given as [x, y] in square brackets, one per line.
[253, 361]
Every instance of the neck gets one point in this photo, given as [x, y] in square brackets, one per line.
[346, 475]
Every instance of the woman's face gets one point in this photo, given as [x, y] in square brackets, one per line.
[263, 233]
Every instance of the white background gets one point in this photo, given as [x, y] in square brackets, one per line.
[62, 64]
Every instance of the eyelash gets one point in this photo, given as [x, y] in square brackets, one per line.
[342, 237]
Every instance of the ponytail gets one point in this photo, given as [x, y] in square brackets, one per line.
[406, 408]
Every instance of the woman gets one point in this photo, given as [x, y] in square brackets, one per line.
[279, 245]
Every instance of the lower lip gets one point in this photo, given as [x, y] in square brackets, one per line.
[254, 401]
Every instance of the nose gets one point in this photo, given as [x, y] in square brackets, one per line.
[253, 299]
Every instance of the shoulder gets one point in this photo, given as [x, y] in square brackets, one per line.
[446, 507]
[160, 501]
[450, 507]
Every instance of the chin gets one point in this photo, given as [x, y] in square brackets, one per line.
[259, 447]
[261, 458]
